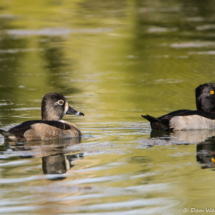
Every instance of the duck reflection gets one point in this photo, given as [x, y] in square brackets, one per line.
[204, 140]
[206, 153]
[183, 137]
[59, 163]
[54, 154]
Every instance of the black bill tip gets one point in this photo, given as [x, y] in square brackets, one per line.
[81, 114]
[74, 112]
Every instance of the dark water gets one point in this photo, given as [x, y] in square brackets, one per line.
[113, 60]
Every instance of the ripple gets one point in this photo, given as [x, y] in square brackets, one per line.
[14, 51]
[205, 27]
[128, 204]
[55, 31]
[21, 109]
[193, 45]
[96, 180]
[21, 180]
[161, 30]
[92, 169]
[18, 209]
[14, 163]
[150, 187]
[202, 53]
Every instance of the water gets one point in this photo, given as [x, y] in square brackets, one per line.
[114, 61]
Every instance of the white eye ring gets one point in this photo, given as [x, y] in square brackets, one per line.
[60, 102]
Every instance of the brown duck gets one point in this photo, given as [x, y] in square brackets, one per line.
[54, 106]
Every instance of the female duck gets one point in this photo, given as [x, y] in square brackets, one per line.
[54, 106]
[202, 118]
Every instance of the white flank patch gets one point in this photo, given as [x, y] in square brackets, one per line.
[192, 122]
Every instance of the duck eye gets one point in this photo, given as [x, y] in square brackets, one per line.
[60, 102]
[211, 92]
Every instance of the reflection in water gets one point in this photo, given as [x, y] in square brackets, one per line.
[10, 60]
[155, 53]
[56, 64]
[59, 163]
[206, 153]
[54, 160]
[160, 133]
[183, 137]
[205, 140]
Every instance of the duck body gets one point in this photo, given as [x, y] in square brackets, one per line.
[183, 120]
[202, 118]
[43, 130]
[54, 107]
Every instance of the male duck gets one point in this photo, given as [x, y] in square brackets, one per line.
[54, 106]
[202, 118]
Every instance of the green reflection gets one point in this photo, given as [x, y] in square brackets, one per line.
[114, 60]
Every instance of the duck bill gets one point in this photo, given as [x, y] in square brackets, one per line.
[71, 111]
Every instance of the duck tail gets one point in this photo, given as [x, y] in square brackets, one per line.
[151, 118]
[156, 123]
[7, 135]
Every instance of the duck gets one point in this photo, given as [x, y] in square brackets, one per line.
[53, 107]
[202, 118]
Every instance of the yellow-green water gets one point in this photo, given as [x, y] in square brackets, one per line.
[114, 61]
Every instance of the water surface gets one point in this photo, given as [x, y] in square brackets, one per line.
[114, 61]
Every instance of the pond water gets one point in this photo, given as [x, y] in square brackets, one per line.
[114, 61]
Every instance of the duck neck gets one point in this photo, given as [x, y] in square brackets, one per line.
[49, 116]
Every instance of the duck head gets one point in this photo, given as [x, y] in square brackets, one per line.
[205, 97]
[54, 106]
